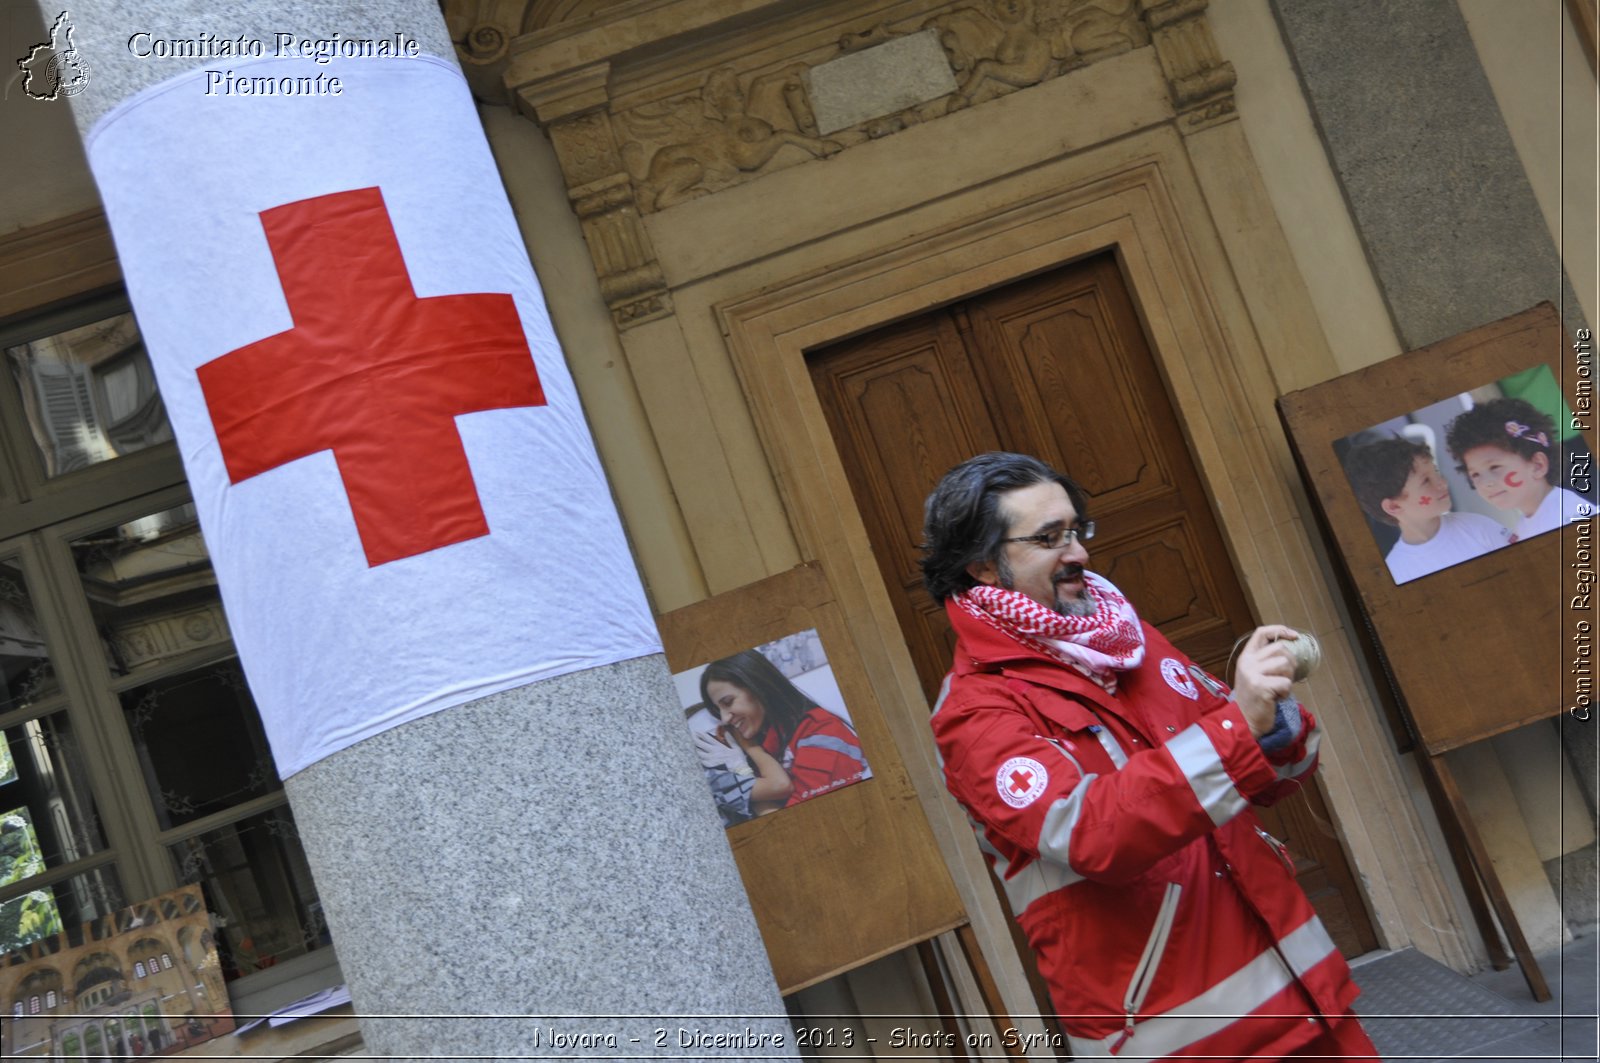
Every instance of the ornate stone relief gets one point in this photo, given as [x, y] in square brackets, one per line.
[602, 194]
[628, 152]
[159, 637]
[482, 31]
[1010, 44]
[683, 147]
[1200, 82]
[738, 124]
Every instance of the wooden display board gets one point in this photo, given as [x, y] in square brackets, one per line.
[850, 875]
[1476, 647]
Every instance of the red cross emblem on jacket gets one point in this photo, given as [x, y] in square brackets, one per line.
[372, 373]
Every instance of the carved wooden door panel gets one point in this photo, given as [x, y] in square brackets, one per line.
[1058, 366]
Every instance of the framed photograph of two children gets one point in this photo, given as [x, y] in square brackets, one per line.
[1457, 486]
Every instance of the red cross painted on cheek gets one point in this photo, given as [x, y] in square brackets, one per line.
[372, 373]
[1425, 500]
[1021, 780]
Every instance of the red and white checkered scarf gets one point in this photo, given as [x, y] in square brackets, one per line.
[1107, 641]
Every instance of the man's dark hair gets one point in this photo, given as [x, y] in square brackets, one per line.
[962, 522]
[1379, 470]
[1512, 425]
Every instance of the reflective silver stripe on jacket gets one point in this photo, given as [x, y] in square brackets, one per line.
[1039, 878]
[832, 744]
[1224, 1003]
[944, 692]
[1202, 765]
[1060, 820]
[1113, 748]
[1303, 765]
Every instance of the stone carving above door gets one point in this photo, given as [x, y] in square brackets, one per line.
[658, 102]
[712, 138]
[1005, 45]
[743, 122]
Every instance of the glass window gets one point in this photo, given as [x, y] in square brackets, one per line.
[194, 729]
[48, 816]
[26, 675]
[151, 590]
[60, 906]
[200, 741]
[256, 879]
[88, 394]
[50, 790]
[160, 724]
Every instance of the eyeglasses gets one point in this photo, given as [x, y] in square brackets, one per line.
[1059, 539]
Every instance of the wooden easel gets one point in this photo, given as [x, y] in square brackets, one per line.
[1442, 636]
[847, 877]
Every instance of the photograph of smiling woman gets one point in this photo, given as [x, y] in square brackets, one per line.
[764, 742]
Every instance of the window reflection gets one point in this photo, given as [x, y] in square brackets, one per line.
[151, 589]
[89, 394]
[33, 915]
[50, 791]
[258, 885]
[200, 742]
[26, 675]
[35, 918]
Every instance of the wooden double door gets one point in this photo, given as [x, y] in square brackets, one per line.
[1058, 366]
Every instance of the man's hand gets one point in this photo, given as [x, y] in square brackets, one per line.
[1264, 674]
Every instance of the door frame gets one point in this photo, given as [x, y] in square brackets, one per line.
[1143, 204]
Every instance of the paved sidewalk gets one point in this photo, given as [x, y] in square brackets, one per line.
[1416, 1009]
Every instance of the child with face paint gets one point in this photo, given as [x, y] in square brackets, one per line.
[1510, 453]
[1397, 482]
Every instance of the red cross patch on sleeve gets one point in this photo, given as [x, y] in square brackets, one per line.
[1020, 781]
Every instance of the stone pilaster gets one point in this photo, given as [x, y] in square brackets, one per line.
[572, 107]
[1200, 81]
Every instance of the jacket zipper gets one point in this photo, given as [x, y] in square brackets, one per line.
[1144, 972]
[1278, 848]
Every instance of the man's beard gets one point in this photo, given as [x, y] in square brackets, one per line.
[1079, 605]
[1084, 606]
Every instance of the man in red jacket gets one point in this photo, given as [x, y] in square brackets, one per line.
[1110, 779]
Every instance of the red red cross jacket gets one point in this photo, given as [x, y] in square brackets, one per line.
[1164, 918]
[823, 754]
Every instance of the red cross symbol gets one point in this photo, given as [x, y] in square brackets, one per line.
[372, 373]
[1020, 781]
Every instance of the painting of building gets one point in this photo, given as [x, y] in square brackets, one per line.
[143, 981]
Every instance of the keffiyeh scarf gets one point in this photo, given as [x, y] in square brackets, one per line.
[1099, 645]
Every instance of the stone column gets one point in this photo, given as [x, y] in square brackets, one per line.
[541, 860]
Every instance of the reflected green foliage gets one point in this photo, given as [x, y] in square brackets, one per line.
[33, 915]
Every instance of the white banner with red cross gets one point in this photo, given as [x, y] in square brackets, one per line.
[393, 474]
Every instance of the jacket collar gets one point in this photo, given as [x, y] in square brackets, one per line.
[981, 647]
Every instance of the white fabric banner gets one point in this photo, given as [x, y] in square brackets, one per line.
[393, 474]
